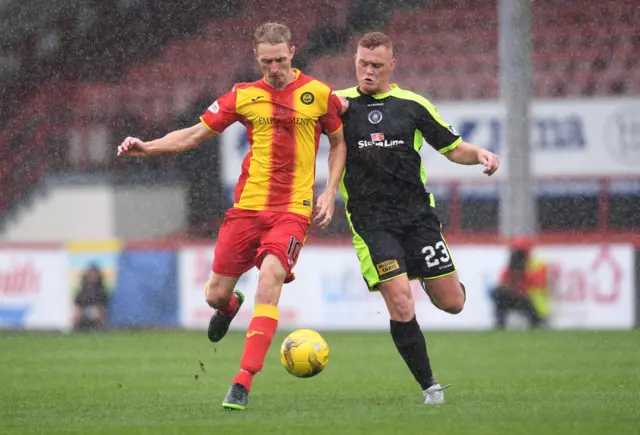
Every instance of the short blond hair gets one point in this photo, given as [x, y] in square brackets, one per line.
[272, 33]
[374, 40]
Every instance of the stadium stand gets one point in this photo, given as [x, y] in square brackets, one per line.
[150, 86]
[453, 54]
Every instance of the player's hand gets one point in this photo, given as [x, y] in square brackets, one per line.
[133, 147]
[325, 206]
[490, 161]
[345, 104]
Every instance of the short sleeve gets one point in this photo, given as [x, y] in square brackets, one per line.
[440, 135]
[331, 121]
[222, 113]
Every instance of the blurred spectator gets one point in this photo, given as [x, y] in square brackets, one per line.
[523, 286]
[90, 304]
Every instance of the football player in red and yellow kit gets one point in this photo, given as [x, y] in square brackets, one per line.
[284, 114]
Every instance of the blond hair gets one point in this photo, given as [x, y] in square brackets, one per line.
[272, 33]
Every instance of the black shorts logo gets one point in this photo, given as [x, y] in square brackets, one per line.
[307, 98]
[387, 266]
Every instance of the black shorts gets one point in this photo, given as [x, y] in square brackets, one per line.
[416, 248]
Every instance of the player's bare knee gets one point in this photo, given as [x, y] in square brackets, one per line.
[454, 304]
[269, 280]
[215, 295]
[454, 309]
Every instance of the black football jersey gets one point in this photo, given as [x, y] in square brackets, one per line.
[384, 179]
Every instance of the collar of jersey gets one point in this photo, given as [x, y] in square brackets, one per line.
[296, 70]
[394, 88]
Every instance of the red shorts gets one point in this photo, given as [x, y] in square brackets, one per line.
[247, 236]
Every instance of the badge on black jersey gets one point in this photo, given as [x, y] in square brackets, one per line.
[375, 116]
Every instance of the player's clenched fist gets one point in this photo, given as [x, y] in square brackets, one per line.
[133, 147]
[325, 206]
[490, 161]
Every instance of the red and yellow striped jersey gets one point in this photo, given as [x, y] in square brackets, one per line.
[283, 127]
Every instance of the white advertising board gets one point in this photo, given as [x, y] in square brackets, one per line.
[330, 293]
[581, 137]
[341, 299]
[34, 290]
[594, 286]
[593, 289]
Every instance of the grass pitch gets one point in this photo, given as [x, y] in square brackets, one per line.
[152, 383]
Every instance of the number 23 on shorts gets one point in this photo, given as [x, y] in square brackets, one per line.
[437, 254]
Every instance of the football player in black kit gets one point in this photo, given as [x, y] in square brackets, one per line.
[396, 232]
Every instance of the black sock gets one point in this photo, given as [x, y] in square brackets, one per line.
[412, 346]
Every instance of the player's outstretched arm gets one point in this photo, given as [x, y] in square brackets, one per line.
[325, 204]
[468, 154]
[174, 142]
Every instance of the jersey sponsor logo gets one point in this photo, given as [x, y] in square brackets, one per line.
[215, 107]
[378, 140]
[284, 122]
[375, 116]
[307, 98]
[387, 266]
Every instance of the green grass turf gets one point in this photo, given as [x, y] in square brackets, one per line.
[144, 383]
